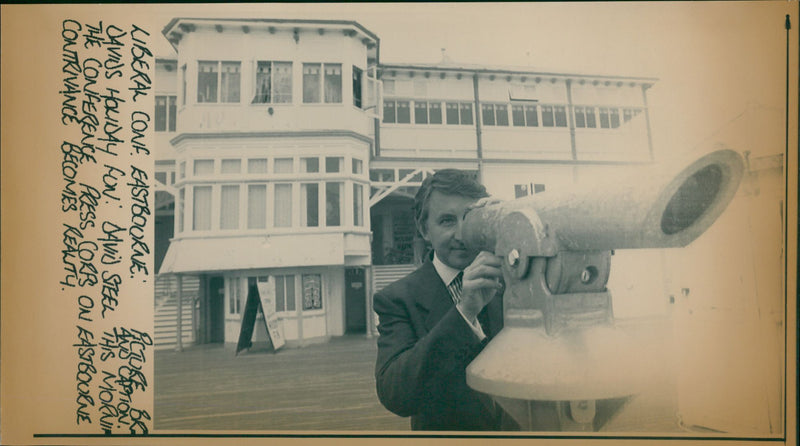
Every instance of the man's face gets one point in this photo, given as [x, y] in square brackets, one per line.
[443, 228]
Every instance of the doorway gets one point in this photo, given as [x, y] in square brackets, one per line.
[216, 310]
[355, 300]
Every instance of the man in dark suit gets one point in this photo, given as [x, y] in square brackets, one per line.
[437, 319]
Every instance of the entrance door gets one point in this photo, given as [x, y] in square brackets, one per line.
[216, 309]
[355, 301]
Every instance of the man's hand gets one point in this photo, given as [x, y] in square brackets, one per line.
[480, 283]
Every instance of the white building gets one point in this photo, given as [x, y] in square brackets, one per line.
[287, 149]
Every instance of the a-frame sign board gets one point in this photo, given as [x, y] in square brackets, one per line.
[260, 295]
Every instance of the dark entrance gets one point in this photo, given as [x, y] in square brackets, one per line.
[215, 317]
[355, 300]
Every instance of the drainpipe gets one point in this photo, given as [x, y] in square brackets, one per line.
[478, 129]
[647, 120]
[571, 121]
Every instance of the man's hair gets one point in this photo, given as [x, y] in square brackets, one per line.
[446, 181]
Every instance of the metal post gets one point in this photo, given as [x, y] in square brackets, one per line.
[178, 334]
[368, 292]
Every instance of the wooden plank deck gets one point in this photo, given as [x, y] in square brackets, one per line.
[319, 387]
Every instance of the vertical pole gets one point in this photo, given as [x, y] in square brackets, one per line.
[478, 128]
[178, 334]
[368, 292]
[570, 120]
[647, 120]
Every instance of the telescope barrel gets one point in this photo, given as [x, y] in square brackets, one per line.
[658, 208]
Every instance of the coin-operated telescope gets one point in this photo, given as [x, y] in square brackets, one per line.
[559, 355]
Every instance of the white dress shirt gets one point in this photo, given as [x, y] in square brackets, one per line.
[447, 275]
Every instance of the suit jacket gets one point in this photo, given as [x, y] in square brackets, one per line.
[424, 348]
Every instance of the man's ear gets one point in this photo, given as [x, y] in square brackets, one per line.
[423, 230]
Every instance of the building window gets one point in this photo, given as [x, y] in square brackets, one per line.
[420, 112]
[218, 81]
[312, 291]
[231, 166]
[234, 296]
[256, 206]
[333, 204]
[283, 165]
[524, 115]
[488, 114]
[547, 116]
[183, 84]
[630, 113]
[459, 113]
[257, 165]
[309, 165]
[201, 204]
[309, 207]
[561, 115]
[283, 205]
[358, 166]
[229, 207]
[182, 169]
[435, 112]
[203, 167]
[358, 205]
[357, 82]
[284, 293]
[495, 114]
[273, 82]
[313, 86]
[523, 190]
[584, 117]
[614, 117]
[396, 112]
[333, 164]
[166, 109]
[181, 201]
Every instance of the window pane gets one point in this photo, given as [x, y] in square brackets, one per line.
[207, 82]
[517, 116]
[547, 116]
[403, 112]
[282, 82]
[333, 164]
[358, 166]
[531, 118]
[501, 110]
[312, 291]
[257, 206]
[580, 117]
[614, 118]
[604, 121]
[280, 294]
[591, 121]
[257, 165]
[488, 114]
[172, 113]
[358, 205]
[333, 204]
[452, 113]
[202, 208]
[283, 165]
[231, 81]
[231, 166]
[283, 205]
[263, 83]
[311, 82]
[203, 167]
[420, 112]
[161, 114]
[183, 85]
[561, 116]
[466, 113]
[435, 112]
[182, 169]
[290, 294]
[181, 201]
[333, 83]
[229, 208]
[309, 194]
[309, 164]
[357, 87]
[389, 115]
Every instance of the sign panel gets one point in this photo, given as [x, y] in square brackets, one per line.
[266, 292]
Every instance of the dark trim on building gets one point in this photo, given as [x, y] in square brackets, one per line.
[417, 161]
[303, 133]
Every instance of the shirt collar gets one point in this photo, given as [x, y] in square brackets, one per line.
[446, 273]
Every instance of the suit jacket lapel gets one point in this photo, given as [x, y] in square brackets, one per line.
[432, 295]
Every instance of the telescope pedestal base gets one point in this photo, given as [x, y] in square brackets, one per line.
[561, 416]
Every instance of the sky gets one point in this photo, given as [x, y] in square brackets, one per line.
[712, 59]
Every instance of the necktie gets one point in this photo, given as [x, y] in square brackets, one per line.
[454, 288]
